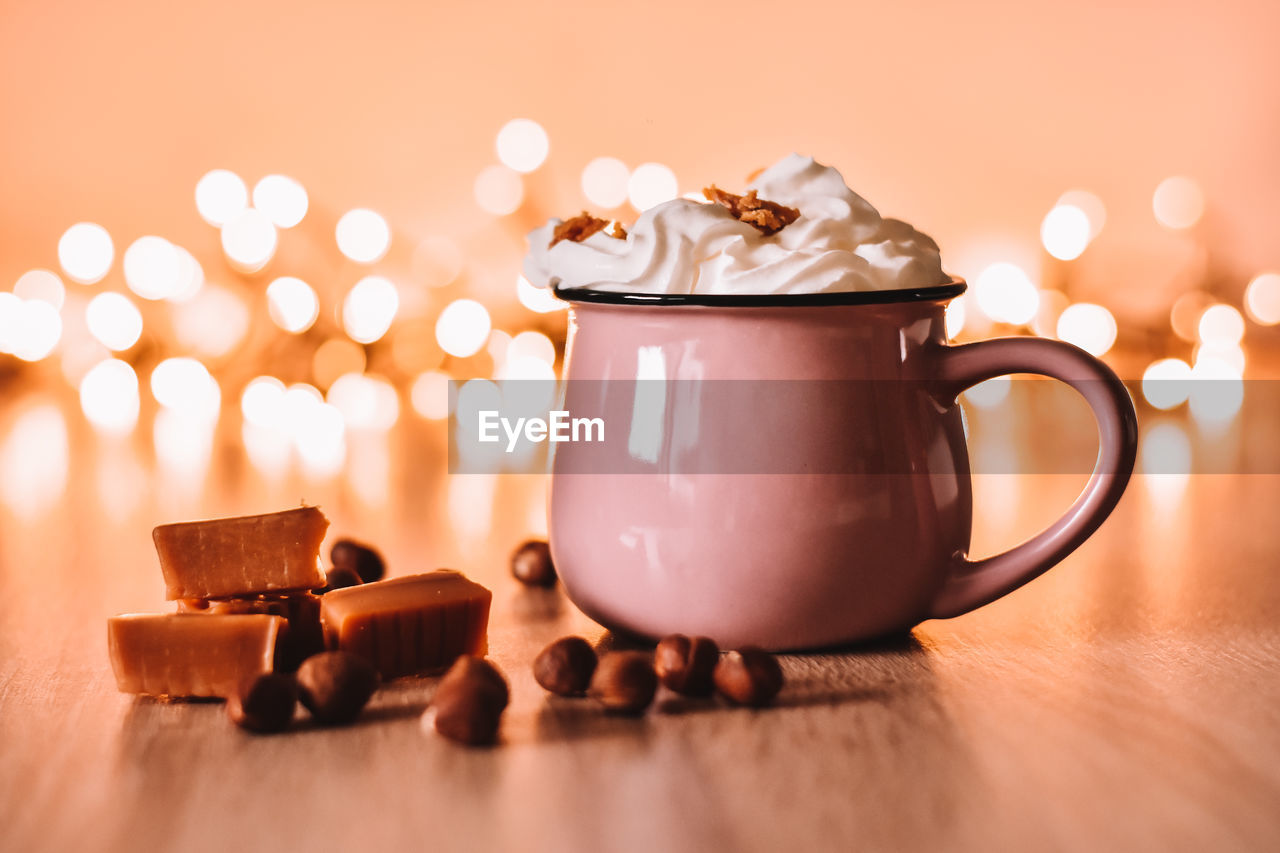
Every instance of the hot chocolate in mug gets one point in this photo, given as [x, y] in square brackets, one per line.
[818, 554]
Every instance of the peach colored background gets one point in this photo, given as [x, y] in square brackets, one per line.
[968, 119]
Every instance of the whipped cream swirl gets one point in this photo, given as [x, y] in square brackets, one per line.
[839, 243]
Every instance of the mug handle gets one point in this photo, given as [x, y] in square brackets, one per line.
[973, 583]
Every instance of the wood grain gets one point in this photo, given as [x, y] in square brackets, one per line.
[1128, 700]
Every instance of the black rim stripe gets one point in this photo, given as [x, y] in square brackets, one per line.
[717, 300]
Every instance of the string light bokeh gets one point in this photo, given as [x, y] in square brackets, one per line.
[383, 334]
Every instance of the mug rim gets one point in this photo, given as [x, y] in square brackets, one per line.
[949, 290]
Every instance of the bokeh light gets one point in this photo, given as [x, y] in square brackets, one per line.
[41, 285]
[109, 396]
[370, 308]
[955, 316]
[531, 344]
[282, 199]
[37, 328]
[335, 357]
[249, 240]
[1262, 299]
[366, 402]
[185, 385]
[1220, 325]
[85, 252]
[1090, 327]
[522, 145]
[526, 367]
[152, 267]
[292, 304]
[363, 235]
[1178, 202]
[262, 401]
[1006, 294]
[430, 395]
[1230, 353]
[437, 261]
[499, 190]
[220, 197]
[296, 405]
[114, 320]
[1092, 206]
[1166, 383]
[1065, 232]
[651, 184]
[463, 327]
[605, 181]
[538, 299]
[213, 323]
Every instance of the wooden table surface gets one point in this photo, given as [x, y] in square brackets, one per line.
[1128, 700]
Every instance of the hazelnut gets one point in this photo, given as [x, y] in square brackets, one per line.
[685, 664]
[264, 704]
[531, 564]
[469, 701]
[749, 676]
[335, 686]
[624, 682]
[565, 667]
[366, 562]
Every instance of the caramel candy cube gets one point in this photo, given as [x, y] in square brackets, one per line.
[245, 556]
[420, 623]
[188, 654]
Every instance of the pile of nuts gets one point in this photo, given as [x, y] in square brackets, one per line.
[333, 686]
[624, 682]
[469, 702]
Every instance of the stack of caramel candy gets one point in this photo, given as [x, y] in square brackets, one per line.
[259, 623]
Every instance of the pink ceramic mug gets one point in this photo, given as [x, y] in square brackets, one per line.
[805, 558]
